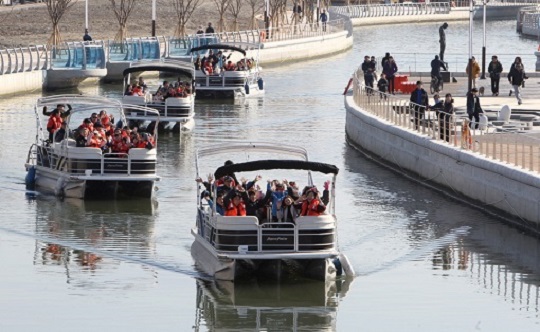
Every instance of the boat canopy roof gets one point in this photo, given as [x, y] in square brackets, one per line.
[167, 66]
[220, 47]
[275, 164]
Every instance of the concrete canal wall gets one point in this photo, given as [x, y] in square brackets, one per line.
[487, 183]
[22, 82]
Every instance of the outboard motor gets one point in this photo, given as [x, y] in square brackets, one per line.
[260, 83]
[246, 87]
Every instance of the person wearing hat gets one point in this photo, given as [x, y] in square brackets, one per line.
[419, 102]
[473, 108]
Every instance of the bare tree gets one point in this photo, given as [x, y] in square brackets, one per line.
[122, 10]
[234, 9]
[184, 11]
[57, 9]
[255, 6]
[221, 7]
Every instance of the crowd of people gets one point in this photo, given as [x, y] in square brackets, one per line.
[216, 63]
[282, 201]
[168, 89]
[96, 131]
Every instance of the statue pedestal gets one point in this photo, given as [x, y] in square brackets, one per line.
[537, 60]
[445, 76]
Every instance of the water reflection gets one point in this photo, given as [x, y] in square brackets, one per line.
[256, 306]
[80, 236]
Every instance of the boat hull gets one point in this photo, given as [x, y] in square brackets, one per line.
[59, 184]
[222, 267]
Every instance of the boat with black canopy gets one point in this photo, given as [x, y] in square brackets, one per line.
[65, 167]
[226, 71]
[174, 100]
[232, 247]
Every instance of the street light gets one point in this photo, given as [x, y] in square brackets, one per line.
[86, 15]
[484, 42]
[153, 18]
[266, 18]
[471, 14]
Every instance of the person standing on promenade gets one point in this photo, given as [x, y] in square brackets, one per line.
[390, 69]
[365, 67]
[420, 102]
[209, 29]
[384, 59]
[86, 36]
[473, 108]
[516, 77]
[495, 69]
[324, 19]
[444, 110]
[442, 40]
[382, 85]
[200, 31]
[475, 71]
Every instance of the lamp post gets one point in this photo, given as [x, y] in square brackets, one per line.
[86, 15]
[484, 42]
[266, 18]
[318, 10]
[153, 18]
[471, 14]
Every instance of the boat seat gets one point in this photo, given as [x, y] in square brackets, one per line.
[311, 222]
[237, 223]
[178, 101]
[134, 100]
[142, 153]
[84, 153]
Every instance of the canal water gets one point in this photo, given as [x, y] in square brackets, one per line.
[424, 262]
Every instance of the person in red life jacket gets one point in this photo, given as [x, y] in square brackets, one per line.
[119, 144]
[105, 121]
[103, 115]
[208, 67]
[234, 205]
[148, 140]
[99, 128]
[96, 141]
[54, 123]
[311, 204]
[136, 90]
[87, 123]
[230, 66]
[137, 142]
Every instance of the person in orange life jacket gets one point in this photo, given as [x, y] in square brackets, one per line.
[208, 67]
[230, 66]
[61, 109]
[119, 144]
[60, 134]
[234, 205]
[107, 125]
[143, 141]
[137, 90]
[96, 141]
[54, 123]
[105, 118]
[99, 128]
[87, 124]
[311, 204]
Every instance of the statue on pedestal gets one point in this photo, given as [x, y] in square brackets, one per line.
[442, 40]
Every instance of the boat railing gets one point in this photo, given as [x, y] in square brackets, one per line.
[507, 145]
[246, 235]
[91, 161]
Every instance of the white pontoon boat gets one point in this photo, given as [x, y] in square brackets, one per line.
[229, 248]
[62, 168]
[175, 110]
[242, 81]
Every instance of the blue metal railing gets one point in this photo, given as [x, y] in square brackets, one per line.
[24, 59]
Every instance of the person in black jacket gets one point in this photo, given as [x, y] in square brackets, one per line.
[209, 29]
[254, 204]
[444, 110]
[516, 77]
[495, 69]
[61, 108]
[473, 108]
[420, 101]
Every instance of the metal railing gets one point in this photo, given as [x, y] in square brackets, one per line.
[527, 21]
[396, 9]
[303, 30]
[24, 59]
[456, 63]
[511, 147]
[136, 49]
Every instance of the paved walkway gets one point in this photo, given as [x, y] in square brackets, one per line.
[530, 94]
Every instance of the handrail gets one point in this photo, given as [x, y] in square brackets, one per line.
[506, 146]
[395, 9]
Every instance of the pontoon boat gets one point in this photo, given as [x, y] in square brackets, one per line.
[175, 110]
[232, 247]
[242, 80]
[62, 168]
